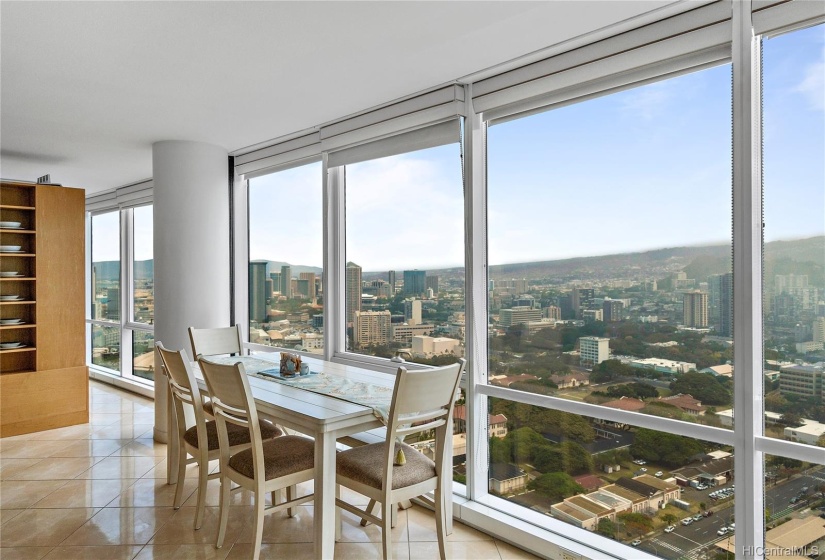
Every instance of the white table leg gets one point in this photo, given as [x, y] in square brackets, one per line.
[324, 496]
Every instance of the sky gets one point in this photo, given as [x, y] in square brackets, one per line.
[645, 168]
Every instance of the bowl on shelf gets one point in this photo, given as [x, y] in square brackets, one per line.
[15, 321]
[9, 274]
[10, 345]
[9, 248]
[11, 225]
[9, 298]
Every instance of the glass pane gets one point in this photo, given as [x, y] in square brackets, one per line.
[609, 225]
[405, 256]
[143, 354]
[143, 269]
[106, 347]
[794, 250]
[667, 494]
[794, 502]
[286, 259]
[106, 266]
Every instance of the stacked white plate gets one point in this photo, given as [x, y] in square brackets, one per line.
[10, 225]
[10, 298]
[9, 274]
[10, 345]
[10, 248]
[11, 321]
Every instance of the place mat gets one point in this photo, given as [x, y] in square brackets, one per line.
[376, 397]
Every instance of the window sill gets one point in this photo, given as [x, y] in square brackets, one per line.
[142, 389]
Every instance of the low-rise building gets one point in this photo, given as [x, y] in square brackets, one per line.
[496, 423]
[809, 432]
[507, 380]
[708, 471]
[724, 370]
[629, 404]
[685, 403]
[507, 479]
[802, 379]
[789, 541]
[570, 380]
[658, 492]
[663, 366]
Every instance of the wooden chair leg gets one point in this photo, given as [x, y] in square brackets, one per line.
[337, 514]
[291, 493]
[393, 515]
[439, 524]
[181, 476]
[259, 524]
[370, 508]
[203, 478]
[386, 532]
[224, 508]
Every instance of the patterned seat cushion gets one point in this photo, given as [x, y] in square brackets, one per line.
[282, 456]
[237, 434]
[366, 465]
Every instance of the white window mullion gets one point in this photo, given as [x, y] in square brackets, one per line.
[241, 250]
[335, 328]
[747, 285]
[475, 336]
[127, 288]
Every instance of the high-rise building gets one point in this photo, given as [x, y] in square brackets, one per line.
[353, 289]
[257, 291]
[720, 303]
[412, 311]
[276, 281]
[612, 310]
[310, 278]
[431, 282]
[371, 327]
[270, 287]
[593, 350]
[695, 309]
[391, 278]
[518, 315]
[113, 303]
[286, 281]
[592, 315]
[552, 312]
[818, 329]
[415, 282]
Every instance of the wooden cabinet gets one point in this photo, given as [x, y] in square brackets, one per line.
[43, 376]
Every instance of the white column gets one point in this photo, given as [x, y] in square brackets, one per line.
[191, 221]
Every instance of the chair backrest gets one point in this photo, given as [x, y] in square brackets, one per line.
[184, 389]
[211, 342]
[423, 400]
[232, 402]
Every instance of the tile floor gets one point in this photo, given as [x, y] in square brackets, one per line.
[99, 491]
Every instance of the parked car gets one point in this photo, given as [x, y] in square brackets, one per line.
[687, 521]
[637, 542]
[702, 487]
[670, 529]
[658, 473]
[697, 517]
[722, 532]
[732, 527]
[794, 499]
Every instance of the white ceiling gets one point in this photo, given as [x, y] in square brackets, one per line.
[87, 87]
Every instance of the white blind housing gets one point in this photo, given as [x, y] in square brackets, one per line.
[131, 195]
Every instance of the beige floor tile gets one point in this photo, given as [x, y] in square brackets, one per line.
[10, 467]
[28, 449]
[55, 468]
[91, 448]
[369, 551]
[121, 467]
[180, 528]
[295, 551]
[159, 470]
[93, 552]
[44, 527]
[17, 494]
[144, 417]
[188, 551]
[102, 419]
[96, 493]
[152, 492]
[351, 530]
[510, 552]
[120, 431]
[77, 432]
[119, 526]
[421, 525]
[142, 448]
[24, 553]
[278, 528]
[9, 514]
[477, 550]
[213, 495]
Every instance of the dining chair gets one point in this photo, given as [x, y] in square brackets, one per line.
[422, 400]
[267, 466]
[211, 342]
[198, 443]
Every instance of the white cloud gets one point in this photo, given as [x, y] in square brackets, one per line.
[648, 102]
[812, 86]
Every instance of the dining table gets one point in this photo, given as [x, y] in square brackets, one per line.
[323, 417]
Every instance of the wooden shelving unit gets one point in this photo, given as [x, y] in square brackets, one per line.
[43, 384]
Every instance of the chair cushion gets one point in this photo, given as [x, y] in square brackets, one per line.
[282, 456]
[365, 464]
[238, 435]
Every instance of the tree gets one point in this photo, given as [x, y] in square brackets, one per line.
[669, 518]
[606, 528]
[636, 524]
[821, 441]
[669, 449]
[555, 486]
[702, 386]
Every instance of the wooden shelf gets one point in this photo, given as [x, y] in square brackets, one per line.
[13, 350]
[17, 254]
[10, 207]
[18, 326]
[12, 372]
[18, 302]
[9, 278]
[16, 230]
